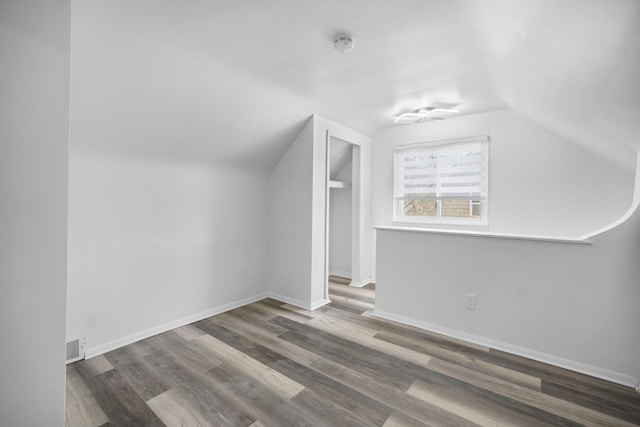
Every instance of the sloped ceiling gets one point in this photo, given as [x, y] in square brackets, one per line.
[233, 81]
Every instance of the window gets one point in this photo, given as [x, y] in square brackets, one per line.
[442, 182]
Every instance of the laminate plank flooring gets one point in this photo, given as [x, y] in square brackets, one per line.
[273, 364]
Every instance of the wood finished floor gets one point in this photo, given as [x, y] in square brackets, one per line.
[272, 364]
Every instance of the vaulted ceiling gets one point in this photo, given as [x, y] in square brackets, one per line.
[232, 81]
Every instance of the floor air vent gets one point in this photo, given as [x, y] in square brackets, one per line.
[75, 349]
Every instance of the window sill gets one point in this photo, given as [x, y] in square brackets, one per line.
[488, 234]
[440, 221]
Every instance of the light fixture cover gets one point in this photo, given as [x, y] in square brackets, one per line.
[343, 44]
[430, 110]
[408, 118]
[425, 113]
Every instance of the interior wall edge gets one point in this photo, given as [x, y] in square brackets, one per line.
[635, 204]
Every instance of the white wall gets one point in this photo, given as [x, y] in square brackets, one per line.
[290, 222]
[154, 244]
[340, 225]
[34, 117]
[567, 304]
[539, 182]
[545, 300]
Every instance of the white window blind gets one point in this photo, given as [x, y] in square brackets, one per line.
[443, 170]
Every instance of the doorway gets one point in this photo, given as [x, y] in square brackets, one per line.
[343, 212]
[340, 201]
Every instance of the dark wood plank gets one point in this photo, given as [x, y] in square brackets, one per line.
[213, 402]
[595, 399]
[471, 358]
[226, 335]
[342, 395]
[390, 397]
[261, 333]
[346, 307]
[373, 361]
[407, 337]
[257, 400]
[357, 294]
[119, 401]
[482, 406]
[339, 280]
[369, 361]
[273, 302]
[262, 323]
[597, 387]
[333, 390]
[397, 419]
[188, 353]
[143, 379]
[524, 399]
[346, 298]
[279, 311]
[80, 406]
[328, 411]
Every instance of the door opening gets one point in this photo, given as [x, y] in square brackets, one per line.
[342, 214]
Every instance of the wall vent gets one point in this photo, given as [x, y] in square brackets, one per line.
[75, 349]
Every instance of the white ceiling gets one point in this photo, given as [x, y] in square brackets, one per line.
[234, 80]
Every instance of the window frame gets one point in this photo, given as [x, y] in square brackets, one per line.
[431, 148]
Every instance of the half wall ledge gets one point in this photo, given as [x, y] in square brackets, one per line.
[551, 239]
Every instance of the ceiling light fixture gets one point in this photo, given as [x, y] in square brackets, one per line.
[423, 114]
[430, 111]
[409, 118]
[343, 44]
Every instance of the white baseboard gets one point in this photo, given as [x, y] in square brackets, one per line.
[292, 301]
[94, 351]
[317, 304]
[298, 303]
[361, 283]
[550, 359]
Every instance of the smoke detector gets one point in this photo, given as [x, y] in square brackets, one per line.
[343, 44]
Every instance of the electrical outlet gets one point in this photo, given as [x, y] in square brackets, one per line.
[470, 301]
